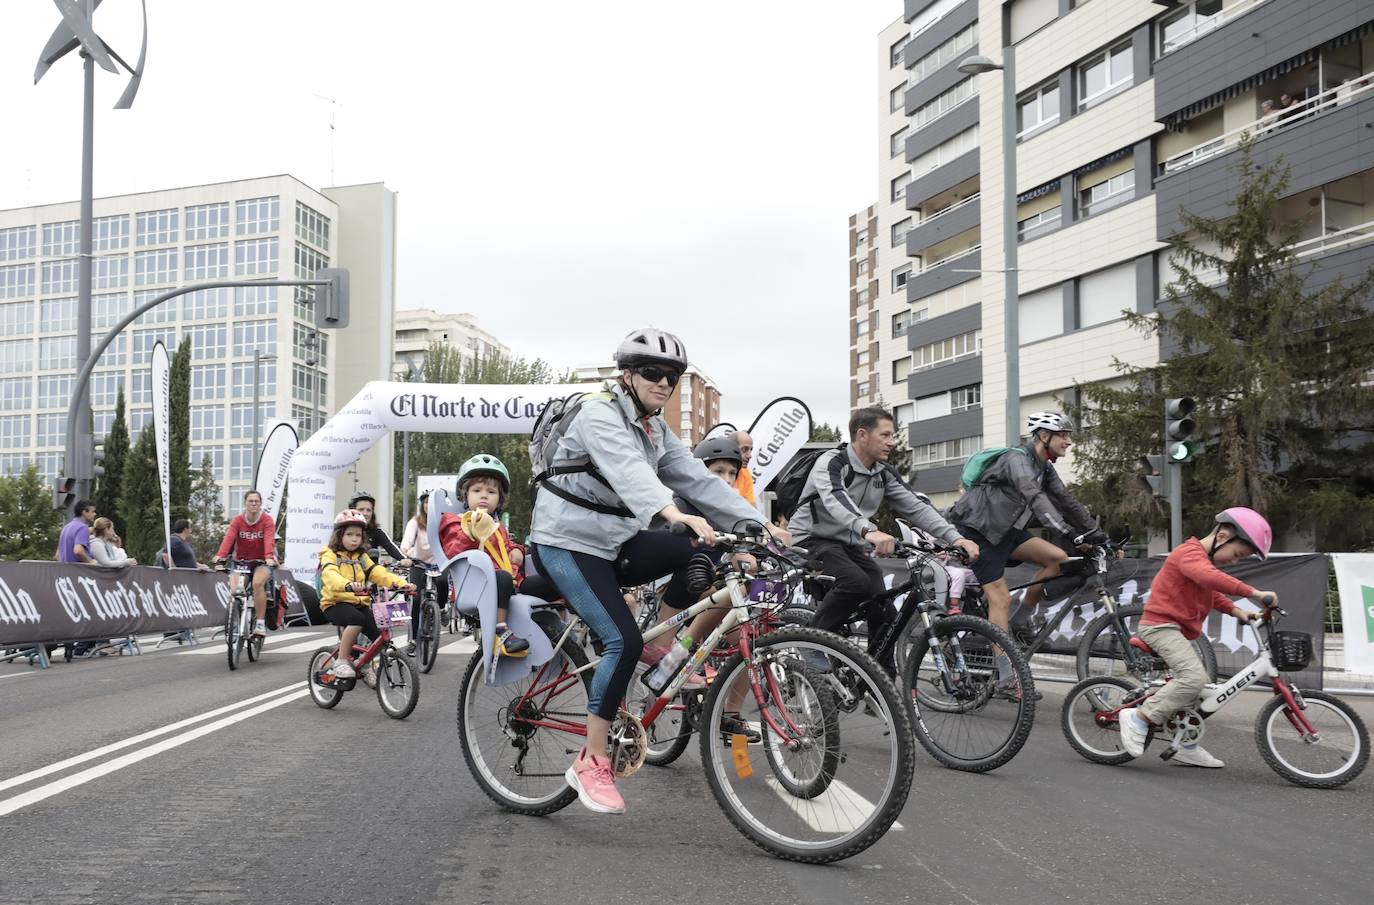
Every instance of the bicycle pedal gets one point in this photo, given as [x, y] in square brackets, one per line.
[1167, 753]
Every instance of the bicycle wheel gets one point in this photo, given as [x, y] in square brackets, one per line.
[1089, 718]
[398, 683]
[323, 695]
[867, 751]
[516, 738]
[1101, 651]
[805, 695]
[427, 650]
[1338, 754]
[646, 607]
[254, 642]
[233, 635]
[951, 679]
[669, 734]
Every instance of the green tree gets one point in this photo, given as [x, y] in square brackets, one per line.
[29, 525]
[179, 430]
[1279, 368]
[110, 485]
[207, 511]
[824, 433]
[436, 453]
[141, 502]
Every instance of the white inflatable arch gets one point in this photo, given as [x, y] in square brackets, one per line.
[440, 408]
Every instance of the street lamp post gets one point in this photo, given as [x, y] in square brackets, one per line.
[258, 359]
[1011, 332]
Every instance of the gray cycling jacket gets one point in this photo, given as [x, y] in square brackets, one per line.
[644, 462]
[1014, 489]
[842, 496]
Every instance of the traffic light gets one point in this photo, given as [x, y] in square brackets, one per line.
[1178, 427]
[1153, 476]
[64, 493]
[331, 301]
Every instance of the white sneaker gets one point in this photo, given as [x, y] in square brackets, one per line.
[1196, 756]
[1132, 734]
[344, 670]
[260, 628]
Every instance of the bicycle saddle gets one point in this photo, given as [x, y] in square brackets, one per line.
[1139, 644]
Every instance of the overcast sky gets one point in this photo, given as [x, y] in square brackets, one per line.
[567, 170]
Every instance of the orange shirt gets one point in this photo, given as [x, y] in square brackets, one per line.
[744, 485]
[1188, 587]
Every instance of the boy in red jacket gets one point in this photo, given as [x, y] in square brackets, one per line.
[1183, 594]
[483, 483]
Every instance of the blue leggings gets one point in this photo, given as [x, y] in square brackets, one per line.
[591, 586]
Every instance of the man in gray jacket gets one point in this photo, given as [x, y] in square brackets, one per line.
[834, 520]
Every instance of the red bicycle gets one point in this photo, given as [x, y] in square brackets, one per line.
[397, 679]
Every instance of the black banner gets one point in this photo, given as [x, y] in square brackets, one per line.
[55, 602]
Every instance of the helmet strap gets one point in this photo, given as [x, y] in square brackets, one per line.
[629, 388]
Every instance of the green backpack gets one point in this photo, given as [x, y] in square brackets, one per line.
[978, 464]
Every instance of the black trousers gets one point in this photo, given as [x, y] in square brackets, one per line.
[858, 580]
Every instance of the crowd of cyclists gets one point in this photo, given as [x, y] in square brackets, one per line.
[607, 525]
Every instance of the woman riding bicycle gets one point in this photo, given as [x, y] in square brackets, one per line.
[252, 538]
[377, 538]
[635, 464]
[415, 547]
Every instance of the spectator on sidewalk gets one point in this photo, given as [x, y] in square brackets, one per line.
[104, 545]
[182, 556]
[74, 544]
[744, 481]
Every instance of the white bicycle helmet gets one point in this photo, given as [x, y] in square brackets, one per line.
[651, 346]
[1054, 422]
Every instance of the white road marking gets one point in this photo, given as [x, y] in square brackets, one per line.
[312, 644]
[217, 647]
[837, 809]
[18, 675]
[461, 646]
[10, 805]
[138, 739]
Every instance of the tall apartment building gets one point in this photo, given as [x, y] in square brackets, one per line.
[1125, 109]
[148, 243]
[691, 410]
[416, 328]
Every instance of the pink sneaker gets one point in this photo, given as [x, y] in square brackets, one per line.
[591, 776]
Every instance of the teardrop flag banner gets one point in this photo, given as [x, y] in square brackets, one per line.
[274, 464]
[162, 418]
[779, 432]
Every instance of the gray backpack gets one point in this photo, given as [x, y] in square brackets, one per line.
[553, 422]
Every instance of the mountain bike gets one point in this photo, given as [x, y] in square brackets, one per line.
[947, 667]
[398, 681]
[240, 616]
[829, 783]
[425, 624]
[1309, 738]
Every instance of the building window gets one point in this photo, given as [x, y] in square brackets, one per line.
[207, 382]
[57, 315]
[207, 221]
[51, 430]
[258, 215]
[863, 387]
[241, 420]
[59, 276]
[862, 266]
[900, 276]
[255, 336]
[105, 388]
[312, 226]
[896, 99]
[241, 462]
[208, 340]
[207, 422]
[308, 263]
[1041, 314]
[57, 353]
[945, 452]
[900, 369]
[901, 322]
[110, 272]
[116, 354]
[862, 359]
[205, 304]
[947, 350]
[899, 186]
[255, 256]
[953, 49]
[145, 340]
[964, 398]
[1037, 110]
[897, 142]
[308, 344]
[1102, 296]
[16, 393]
[945, 152]
[54, 391]
[939, 106]
[157, 227]
[162, 313]
[61, 238]
[14, 431]
[1116, 190]
[903, 415]
[861, 237]
[861, 297]
[861, 328]
[16, 281]
[250, 301]
[110, 233]
[215, 454]
[899, 231]
[108, 308]
[154, 267]
[16, 319]
[1104, 74]
[243, 379]
[1184, 25]
[207, 262]
[18, 242]
[896, 53]
[1037, 225]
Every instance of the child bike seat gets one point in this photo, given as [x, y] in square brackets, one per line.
[1139, 644]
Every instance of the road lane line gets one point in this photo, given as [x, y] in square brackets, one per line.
[847, 809]
[218, 648]
[137, 739]
[461, 646]
[313, 644]
[18, 675]
[10, 805]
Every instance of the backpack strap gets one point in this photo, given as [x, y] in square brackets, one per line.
[603, 508]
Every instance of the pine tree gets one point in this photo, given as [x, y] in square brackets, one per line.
[1279, 370]
[824, 433]
[29, 525]
[207, 511]
[179, 430]
[110, 485]
[141, 502]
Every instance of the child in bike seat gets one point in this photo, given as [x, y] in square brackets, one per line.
[345, 571]
[484, 484]
[1186, 590]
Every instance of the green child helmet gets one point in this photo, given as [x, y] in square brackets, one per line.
[483, 465]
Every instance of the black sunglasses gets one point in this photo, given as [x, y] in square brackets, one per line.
[654, 375]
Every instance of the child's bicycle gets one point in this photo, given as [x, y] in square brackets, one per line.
[829, 784]
[1309, 738]
[398, 681]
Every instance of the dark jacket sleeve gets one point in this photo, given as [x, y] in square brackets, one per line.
[1023, 473]
[377, 534]
[1076, 511]
[921, 515]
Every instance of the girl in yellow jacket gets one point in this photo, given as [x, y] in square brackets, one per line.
[345, 571]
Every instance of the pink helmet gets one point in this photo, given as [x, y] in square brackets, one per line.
[350, 517]
[1250, 527]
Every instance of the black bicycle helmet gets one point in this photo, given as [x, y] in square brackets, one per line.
[361, 495]
[713, 448]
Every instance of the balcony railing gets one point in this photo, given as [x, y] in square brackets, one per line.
[971, 199]
[1271, 123]
[1339, 240]
[1209, 24]
[943, 261]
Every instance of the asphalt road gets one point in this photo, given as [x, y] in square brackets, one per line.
[165, 778]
